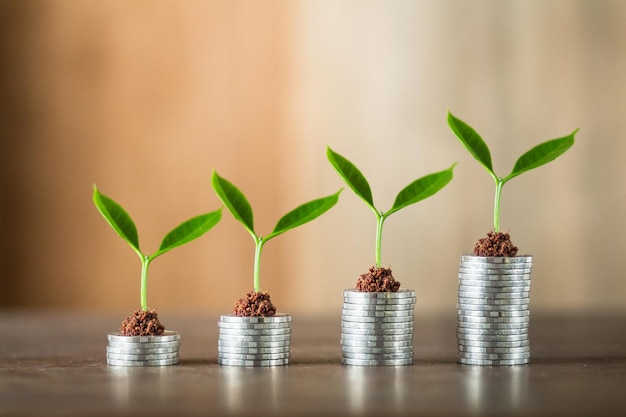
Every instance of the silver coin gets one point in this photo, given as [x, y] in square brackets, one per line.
[378, 307]
[466, 257]
[252, 350]
[263, 332]
[377, 295]
[491, 289]
[354, 337]
[141, 357]
[377, 314]
[478, 265]
[488, 332]
[469, 291]
[356, 344]
[351, 355]
[248, 338]
[135, 351]
[493, 285]
[491, 338]
[253, 356]
[493, 320]
[377, 350]
[347, 333]
[253, 363]
[494, 302]
[477, 343]
[144, 345]
[493, 356]
[158, 362]
[379, 302]
[496, 350]
[489, 307]
[243, 344]
[377, 362]
[167, 336]
[381, 344]
[491, 326]
[253, 326]
[377, 320]
[276, 318]
[347, 324]
[493, 314]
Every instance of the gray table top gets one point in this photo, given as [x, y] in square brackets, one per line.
[54, 364]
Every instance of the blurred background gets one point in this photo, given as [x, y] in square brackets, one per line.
[146, 98]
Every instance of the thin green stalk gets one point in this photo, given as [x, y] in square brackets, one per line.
[496, 206]
[257, 263]
[145, 262]
[380, 219]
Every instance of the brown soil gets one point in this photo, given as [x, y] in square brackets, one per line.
[495, 244]
[377, 280]
[142, 323]
[254, 304]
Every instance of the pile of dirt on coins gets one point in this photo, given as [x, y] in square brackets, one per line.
[142, 323]
[377, 279]
[495, 244]
[254, 304]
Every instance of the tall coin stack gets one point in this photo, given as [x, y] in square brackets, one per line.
[254, 341]
[493, 310]
[143, 350]
[377, 328]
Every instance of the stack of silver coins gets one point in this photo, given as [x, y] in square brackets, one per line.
[377, 328]
[254, 341]
[143, 350]
[493, 310]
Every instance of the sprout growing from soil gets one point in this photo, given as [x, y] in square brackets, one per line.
[416, 191]
[534, 158]
[122, 223]
[238, 205]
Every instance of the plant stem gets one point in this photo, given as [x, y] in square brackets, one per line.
[496, 206]
[257, 263]
[380, 219]
[145, 262]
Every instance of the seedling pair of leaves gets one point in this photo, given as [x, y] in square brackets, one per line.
[238, 205]
[534, 158]
[416, 191]
[123, 224]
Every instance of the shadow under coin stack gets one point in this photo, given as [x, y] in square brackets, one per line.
[254, 341]
[377, 328]
[143, 350]
[493, 310]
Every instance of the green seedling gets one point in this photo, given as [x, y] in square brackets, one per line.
[240, 208]
[122, 223]
[416, 191]
[534, 158]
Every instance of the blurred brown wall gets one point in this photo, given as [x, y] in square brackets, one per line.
[145, 99]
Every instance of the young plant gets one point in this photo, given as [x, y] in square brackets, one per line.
[418, 190]
[240, 208]
[122, 223]
[534, 158]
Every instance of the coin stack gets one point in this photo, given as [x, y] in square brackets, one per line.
[493, 313]
[254, 341]
[377, 328]
[143, 350]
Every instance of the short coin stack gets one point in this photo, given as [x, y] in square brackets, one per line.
[143, 350]
[254, 341]
[493, 310]
[377, 328]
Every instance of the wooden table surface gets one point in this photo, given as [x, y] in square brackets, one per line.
[54, 364]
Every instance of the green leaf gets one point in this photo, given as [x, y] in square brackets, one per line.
[235, 201]
[352, 177]
[421, 189]
[117, 218]
[188, 231]
[304, 214]
[541, 155]
[473, 142]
